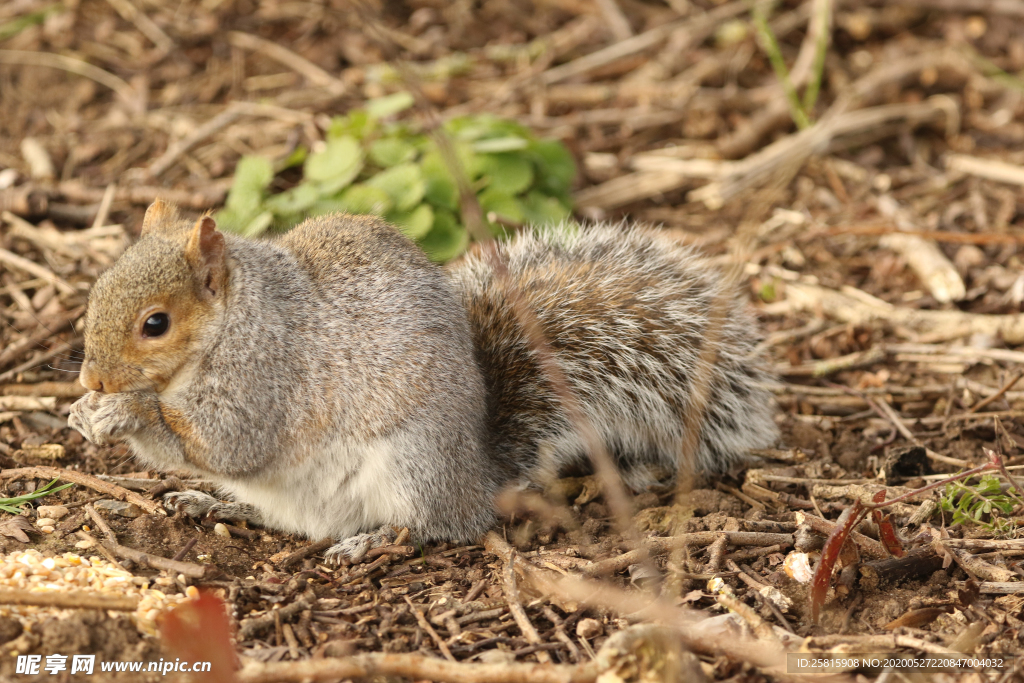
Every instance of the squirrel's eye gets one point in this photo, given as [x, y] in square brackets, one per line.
[156, 325]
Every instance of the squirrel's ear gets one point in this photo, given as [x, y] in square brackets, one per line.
[207, 254]
[159, 216]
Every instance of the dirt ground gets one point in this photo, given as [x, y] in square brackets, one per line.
[878, 244]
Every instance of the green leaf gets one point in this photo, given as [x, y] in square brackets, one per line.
[362, 198]
[258, 225]
[230, 221]
[336, 165]
[389, 105]
[295, 200]
[541, 209]
[357, 124]
[252, 176]
[441, 189]
[508, 173]
[286, 221]
[504, 205]
[556, 168]
[389, 152]
[504, 144]
[447, 239]
[414, 224]
[403, 183]
[296, 158]
[472, 128]
[329, 205]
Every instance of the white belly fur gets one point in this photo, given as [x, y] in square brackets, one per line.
[344, 489]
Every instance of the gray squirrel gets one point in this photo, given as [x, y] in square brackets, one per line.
[336, 383]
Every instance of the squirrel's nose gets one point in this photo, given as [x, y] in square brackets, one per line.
[88, 377]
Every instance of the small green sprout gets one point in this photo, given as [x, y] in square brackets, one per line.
[13, 505]
[982, 504]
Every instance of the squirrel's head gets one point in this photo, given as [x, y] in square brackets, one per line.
[148, 313]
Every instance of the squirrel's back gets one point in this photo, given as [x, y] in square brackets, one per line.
[636, 323]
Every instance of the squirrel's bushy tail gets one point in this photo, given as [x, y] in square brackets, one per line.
[638, 324]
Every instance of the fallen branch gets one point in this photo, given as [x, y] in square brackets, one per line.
[416, 667]
[87, 480]
[72, 600]
[866, 309]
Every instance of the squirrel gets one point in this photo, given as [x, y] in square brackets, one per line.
[334, 382]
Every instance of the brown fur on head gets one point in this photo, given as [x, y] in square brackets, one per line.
[177, 274]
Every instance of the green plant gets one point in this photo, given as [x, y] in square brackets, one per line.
[13, 505]
[800, 109]
[18, 24]
[371, 163]
[973, 504]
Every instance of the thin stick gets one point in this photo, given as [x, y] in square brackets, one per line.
[232, 113]
[75, 66]
[518, 613]
[886, 228]
[617, 22]
[102, 549]
[560, 632]
[300, 65]
[14, 261]
[72, 600]
[425, 625]
[998, 462]
[101, 523]
[47, 328]
[176, 149]
[72, 390]
[146, 26]
[994, 397]
[104, 211]
[303, 553]
[624, 48]
[180, 555]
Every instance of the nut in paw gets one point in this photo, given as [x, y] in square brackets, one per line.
[103, 418]
[82, 411]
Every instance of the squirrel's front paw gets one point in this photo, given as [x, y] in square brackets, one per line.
[103, 418]
[354, 548]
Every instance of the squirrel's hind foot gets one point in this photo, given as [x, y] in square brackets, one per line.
[354, 548]
[199, 504]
